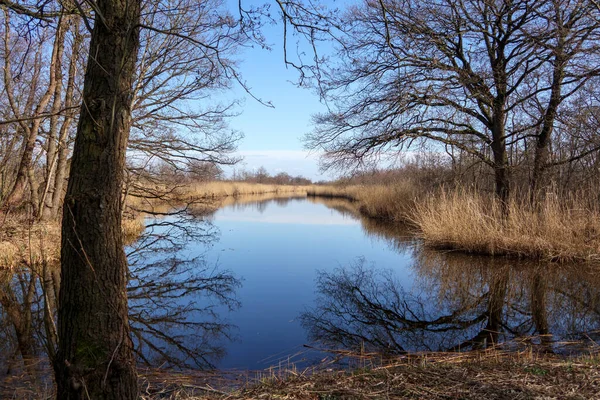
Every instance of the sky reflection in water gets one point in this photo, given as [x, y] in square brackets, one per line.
[312, 272]
[277, 248]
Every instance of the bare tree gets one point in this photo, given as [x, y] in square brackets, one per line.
[457, 73]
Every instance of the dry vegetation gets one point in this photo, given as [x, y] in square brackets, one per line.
[233, 189]
[392, 202]
[558, 229]
[25, 242]
[489, 374]
[483, 375]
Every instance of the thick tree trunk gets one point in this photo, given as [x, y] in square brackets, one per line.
[95, 356]
[538, 177]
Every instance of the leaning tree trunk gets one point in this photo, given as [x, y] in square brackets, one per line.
[95, 356]
[544, 137]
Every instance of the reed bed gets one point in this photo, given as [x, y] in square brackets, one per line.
[392, 202]
[233, 189]
[26, 244]
[556, 230]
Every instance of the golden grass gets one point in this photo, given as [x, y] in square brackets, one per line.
[22, 244]
[25, 244]
[560, 230]
[391, 202]
[556, 230]
[226, 189]
[132, 228]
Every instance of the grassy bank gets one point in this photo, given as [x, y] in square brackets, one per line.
[26, 242]
[558, 229]
[485, 375]
[489, 374]
[233, 189]
[390, 202]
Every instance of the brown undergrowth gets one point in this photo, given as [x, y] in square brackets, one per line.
[490, 374]
[486, 374]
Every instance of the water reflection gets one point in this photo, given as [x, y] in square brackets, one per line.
[454, 302]
[388, 293]
[174, 295]
[173, 300]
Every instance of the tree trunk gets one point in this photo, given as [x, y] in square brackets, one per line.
[539, 303]
[543, 139]
[55, 195]
[95, 357]
[51, 141]
[16, 194]
[501, 174]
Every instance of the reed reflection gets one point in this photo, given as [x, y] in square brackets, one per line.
[455, 302]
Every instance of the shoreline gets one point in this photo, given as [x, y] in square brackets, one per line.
[560, 231]
[481, 374]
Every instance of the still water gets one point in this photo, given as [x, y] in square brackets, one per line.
[297, 274]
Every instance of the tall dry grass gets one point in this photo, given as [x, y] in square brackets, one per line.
[557, 229]
[226, 189]
[25, 244]
[392, 202]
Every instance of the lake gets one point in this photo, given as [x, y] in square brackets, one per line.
[299, 274]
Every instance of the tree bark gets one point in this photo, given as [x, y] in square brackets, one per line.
[501, 173]
[95, 357]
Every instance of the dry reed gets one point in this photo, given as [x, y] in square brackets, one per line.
[489, 374]
[226, 189]
[556, 230]
[392, 202]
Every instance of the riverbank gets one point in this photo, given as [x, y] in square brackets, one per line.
[479, 375]
[24, 242]
[27, 243]
[558, 230]
[487, 374]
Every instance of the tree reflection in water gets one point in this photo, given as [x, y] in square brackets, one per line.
[173, 303]
[455, 303]
[173, 300]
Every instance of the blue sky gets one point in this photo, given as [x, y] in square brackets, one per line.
[273, 135]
